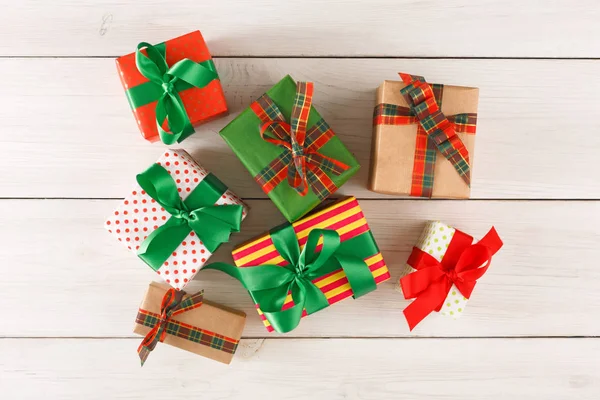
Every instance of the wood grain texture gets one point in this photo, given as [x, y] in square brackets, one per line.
[68, 130]
[452, 369]
[448, 28]
[69, 277]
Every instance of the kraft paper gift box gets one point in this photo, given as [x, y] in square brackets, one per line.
[449, 264]
[189, 322]
[264, 142]
[139, 216]
[423, 139]
[197, 86]
[356, 240]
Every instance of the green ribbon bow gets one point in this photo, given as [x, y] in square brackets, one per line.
[164, 84]
[269, 284]
[213, 224]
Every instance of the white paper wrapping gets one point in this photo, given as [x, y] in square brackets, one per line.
[138, 215]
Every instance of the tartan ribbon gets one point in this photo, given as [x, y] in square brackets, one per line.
[164, 86]
[301, 161]
[462, 264]
[163, 324]
[198, 212]
[435, 132]
[269, 285]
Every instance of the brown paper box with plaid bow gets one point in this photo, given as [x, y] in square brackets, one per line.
[188, 322]
[423, 139]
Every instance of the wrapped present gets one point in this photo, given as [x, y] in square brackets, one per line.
[443, 269]
[298, 269]
[188, 322]
[413, 122]
[289, 149]
[172, 86]
[176, 217]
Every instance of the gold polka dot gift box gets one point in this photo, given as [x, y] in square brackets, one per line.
[176, 217]
[444, 267]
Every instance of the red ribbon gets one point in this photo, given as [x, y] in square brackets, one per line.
[462, 265]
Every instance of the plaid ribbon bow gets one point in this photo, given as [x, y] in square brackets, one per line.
[301, 161]
[435, 131]
[163, 324]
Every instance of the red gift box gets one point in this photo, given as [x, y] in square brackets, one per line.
[201, 104]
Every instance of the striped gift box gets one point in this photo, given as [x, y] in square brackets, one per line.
[344, 216]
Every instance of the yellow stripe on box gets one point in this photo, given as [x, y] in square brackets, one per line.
[270, 248]
[352, 211]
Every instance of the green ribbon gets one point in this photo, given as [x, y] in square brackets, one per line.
[164, 85]
[270, 284]
[213, 224]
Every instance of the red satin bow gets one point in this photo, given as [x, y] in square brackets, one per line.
[462, 265]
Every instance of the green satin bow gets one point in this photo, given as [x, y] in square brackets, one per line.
[269, 285]
[165, 83]
[213, 224]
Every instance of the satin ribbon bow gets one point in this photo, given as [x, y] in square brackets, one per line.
[269, 285]
[169, 81]
[462, 264]
[172, 305]
[212, 223]
[304, 159]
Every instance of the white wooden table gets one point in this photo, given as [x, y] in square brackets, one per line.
[70, 149]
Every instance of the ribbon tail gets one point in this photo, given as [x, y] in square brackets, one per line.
[425, 303]
[215, 224]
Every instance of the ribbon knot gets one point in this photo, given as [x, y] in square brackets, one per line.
[186, 215]
[462, 265]
[306, 167]
[168, 86]
[165, 83]
[173, 303]
[270, 285]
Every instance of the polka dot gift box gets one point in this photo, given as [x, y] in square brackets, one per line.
[443, 269]
[173, 82]
[176, 217]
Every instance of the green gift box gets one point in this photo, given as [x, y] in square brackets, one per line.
[289, 149]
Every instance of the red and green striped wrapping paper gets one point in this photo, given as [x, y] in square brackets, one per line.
[344, 216]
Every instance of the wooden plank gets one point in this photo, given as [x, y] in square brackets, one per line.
[438, 28]
[75, 136]
[298, 369]
[71, 278]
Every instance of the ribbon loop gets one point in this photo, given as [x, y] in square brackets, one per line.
[270, 285]
[463, 264]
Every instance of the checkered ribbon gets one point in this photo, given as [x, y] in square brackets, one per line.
[163, 324]
[435, 131]
[301, 161]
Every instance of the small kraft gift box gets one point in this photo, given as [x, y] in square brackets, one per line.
[423, 139]
[298, 269]
[176, 217]
[172, 86]
[442, 270]
[188, 322]
[289, 149]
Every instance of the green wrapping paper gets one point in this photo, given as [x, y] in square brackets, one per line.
[243, 135]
